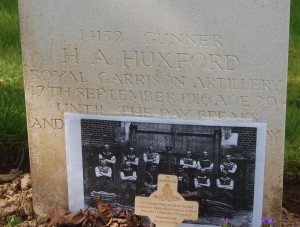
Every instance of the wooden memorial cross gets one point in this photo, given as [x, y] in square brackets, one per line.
[166, 207]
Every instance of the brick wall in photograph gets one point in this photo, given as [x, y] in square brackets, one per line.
[244, 156]
[98, 132]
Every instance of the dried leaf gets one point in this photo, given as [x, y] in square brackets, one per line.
[104, 211]
[60, 216]
[91, 217]
[118, 222]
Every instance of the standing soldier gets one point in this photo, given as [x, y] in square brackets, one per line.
[228, 165]
[189, 164]
[168, 163]
[205, 163]
[151, 157]
[109, 157]
[133, 158]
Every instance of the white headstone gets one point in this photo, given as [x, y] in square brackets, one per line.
[160, 58]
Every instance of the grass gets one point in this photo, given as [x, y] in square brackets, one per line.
[10, 50]
[292, 138]
[13, 133]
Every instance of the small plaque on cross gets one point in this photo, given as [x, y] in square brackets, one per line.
[166, 207]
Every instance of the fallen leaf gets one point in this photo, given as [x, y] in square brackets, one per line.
[60, 216]
[105, 212]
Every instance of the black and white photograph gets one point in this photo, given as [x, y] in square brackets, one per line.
[219, 164]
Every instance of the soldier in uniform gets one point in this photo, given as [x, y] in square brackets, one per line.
[104, 177]
[183, 181]
[133, 158]
[202, 193]
[228, 165]
[168, 161]
[189, 164]
[225, 187]
[150, 180]
[151, 157]
[128, 184]
[108, 156]
[205, 163]
[202, 185]
[231, 168]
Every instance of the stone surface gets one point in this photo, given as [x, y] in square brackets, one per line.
[178, 59]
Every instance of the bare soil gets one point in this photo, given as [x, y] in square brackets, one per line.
[16, 199]
[291, 203]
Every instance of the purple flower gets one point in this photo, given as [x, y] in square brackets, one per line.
[269, 221]
[228, 220]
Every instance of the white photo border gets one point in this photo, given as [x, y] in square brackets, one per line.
[74, 154]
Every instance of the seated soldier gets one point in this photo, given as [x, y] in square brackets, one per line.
[225, 187]
[202, 185]
[104, 174]
[150, 180]
[183, 181]
[128, 184]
